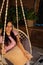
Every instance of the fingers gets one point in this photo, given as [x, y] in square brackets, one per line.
[28, 55]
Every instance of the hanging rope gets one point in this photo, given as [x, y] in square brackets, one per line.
[17, 14]
[26, 25]
[4, 27]
[2, 8]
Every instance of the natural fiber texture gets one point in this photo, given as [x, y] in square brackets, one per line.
[16, 56]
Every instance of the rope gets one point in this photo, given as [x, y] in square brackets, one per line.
[17, 14]
[2, 8]
[26, 25]
[4, 27]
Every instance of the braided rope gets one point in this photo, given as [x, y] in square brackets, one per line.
[26, 25]
[17, 14]
[2, 8]
[4, 27]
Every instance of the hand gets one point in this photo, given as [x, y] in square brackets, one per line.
[28, 55]
[4, 51]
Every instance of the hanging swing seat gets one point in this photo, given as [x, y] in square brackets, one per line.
[9, 56]
[24, 40]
